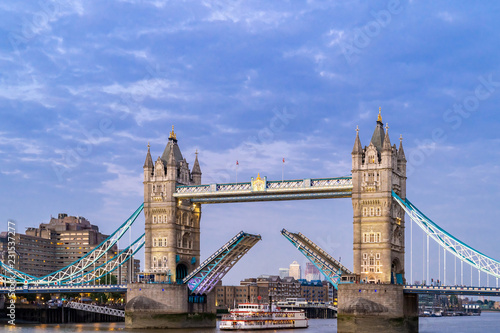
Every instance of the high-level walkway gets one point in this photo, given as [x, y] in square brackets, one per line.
[262, 190]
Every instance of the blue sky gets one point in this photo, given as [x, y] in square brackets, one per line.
[85, 85]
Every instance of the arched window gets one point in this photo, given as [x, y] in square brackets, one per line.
[186, 240]
[154, 218]
[154, 242]
[165, 241]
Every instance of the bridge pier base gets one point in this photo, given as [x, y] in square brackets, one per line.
[376, 308]
[157, 305]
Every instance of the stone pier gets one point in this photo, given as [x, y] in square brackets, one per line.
[376, 308]
[156, 305]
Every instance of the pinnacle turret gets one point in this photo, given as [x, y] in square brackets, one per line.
[387, 141]
[196, 166]
[357, 149]
[401, 152]
[149, 161]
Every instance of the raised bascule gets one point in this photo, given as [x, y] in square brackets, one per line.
[175, 287]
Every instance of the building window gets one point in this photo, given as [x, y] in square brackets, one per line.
[154, 242]
[372, 237]
[365, 255]
[154, 218]
[377, 256]
[160, 242]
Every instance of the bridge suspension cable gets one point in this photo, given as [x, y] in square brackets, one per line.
[451, 244]
[79, 266]
[110, 265]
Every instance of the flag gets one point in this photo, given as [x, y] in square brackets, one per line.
[283, 160]
[237, 162]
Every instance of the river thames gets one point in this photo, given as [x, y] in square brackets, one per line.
[487, 322]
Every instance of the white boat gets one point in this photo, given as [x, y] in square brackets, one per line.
[251, 316]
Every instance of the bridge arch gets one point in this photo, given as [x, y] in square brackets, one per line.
[181, 272]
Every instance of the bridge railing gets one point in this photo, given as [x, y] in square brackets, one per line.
[271, 186]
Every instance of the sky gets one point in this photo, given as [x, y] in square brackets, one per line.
[85, 85]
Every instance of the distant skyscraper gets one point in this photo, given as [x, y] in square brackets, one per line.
[311, 273]
[295, 270]
[284, 272]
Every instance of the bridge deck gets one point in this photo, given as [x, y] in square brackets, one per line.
[87, 288]
[212, 270]
[331, 268]
[340, 187]
[452, 290]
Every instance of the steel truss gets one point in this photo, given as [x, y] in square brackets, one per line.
[272, 190]
[77, 267]
[326, 264]
[456, 247]
[211, 271]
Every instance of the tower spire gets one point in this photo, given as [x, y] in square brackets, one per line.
[149, 161]
[357, 143]
[379, 118]
[401, 152]
[387, 141]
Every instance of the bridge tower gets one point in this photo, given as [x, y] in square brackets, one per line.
[379, 227]
[172, 248]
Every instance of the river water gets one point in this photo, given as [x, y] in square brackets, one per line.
[487, 322]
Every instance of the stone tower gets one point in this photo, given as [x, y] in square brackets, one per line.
[379, 227]
[172, 248]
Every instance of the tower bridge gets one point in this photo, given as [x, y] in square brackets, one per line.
[174, 194]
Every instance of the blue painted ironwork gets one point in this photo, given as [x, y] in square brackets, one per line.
[298, 189]
[109, 266]
[326, 264]
[79, 266]
[453, 245]
[211, 271]
[68, 288]
[451, 290]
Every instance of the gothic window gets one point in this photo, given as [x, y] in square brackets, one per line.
[372, 211]
[154, 218]
[186, 219]
[377, 255]
[186, 241]
[160, 242]
[365, 255]
[379, 211]
[372, 238]
[372, 261]
[164, 261]
[154, 261]
[365, 211]
[372, 269]
[165, 241]
[154, 242]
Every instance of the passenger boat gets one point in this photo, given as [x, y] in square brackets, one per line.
[251, 316]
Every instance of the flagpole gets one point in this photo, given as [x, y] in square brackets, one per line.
[237, 171]
[283, 171]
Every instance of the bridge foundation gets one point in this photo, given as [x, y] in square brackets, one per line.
[376, 308]
[155, 305]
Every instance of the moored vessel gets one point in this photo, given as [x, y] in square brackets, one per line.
[252, 316]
